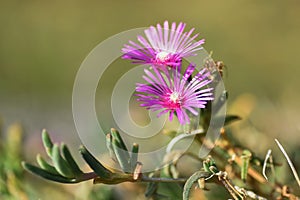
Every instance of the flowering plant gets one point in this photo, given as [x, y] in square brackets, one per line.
[181, 92]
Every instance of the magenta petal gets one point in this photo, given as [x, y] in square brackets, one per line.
[172, 42]
[168, 91]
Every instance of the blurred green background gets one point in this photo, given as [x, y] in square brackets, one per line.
[43, 43]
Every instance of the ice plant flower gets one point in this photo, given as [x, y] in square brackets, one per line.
[163, 46]
[172, 92]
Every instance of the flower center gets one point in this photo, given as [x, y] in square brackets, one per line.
[174, 97]
[172, 101]
[162, 56]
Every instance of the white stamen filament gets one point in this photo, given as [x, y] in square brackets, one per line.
[162, 56]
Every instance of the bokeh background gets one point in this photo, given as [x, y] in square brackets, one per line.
[43, 43]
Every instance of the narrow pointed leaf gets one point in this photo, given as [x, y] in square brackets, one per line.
[60, 164]
[47, 175]
[134, 156]
[120, 150]
[98, 168]
[70, 160]
[46, 166]
[47, 142]
[109, 146]
[119, 141]
[122, 156]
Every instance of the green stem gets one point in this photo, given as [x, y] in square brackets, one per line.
[93, 175]
[165, 180]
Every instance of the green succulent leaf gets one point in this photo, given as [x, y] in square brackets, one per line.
[47, 175]
[98, 168]
[60, 163]
[70, 160]
[109, 146]
[46, 166]
[47, 142]
[122, 157]
[119, 141]
[120, 150]
[134, 156]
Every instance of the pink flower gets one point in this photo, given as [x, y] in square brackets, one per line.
[163, 46]
[170, 92]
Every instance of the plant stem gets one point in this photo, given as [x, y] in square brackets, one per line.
[92, 175]
[87, 176]
[165, 180]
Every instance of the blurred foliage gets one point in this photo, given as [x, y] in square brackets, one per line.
[15, 186]
[11, 172]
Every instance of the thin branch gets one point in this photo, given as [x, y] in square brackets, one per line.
[165, 180]
[289, 161]
[265, 163]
